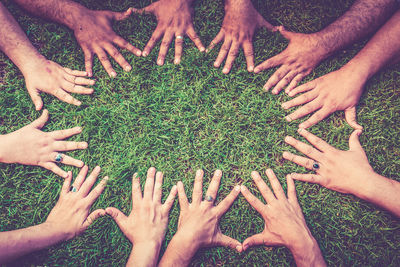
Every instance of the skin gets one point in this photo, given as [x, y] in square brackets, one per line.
[306, 51]
[31, 146]
[147, 223]
[174, 18]
[93, 30]
[198, 224]
[342, 89]
[240, 22]
[284, 221]
[347, 172]
[70, 217]
[41, 75]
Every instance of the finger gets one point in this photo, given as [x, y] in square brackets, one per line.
[183, 201]
[148, 9]
[263, 187]
[105, 62]
[80, 178]
[283, 82]
[225, 204]
[253, 201]
[66, 184]
[165, 43]
[76, 72]
[65, 97]
[255, 240]
[276, 77]
[314, 140]
[291, 189]
[269, 63]
[226, 241]
[263, 23]
[83, 81]
[222, 53]
[354, 141]
[350, 116]
[118, 216]
[157, 194]
[275, 184]
[69, 145]
[299, 160]
[116, 55]
[54, 168]
[178, 48]
[136, 190]
[302, 88]
[67, 160]
[303, 148]
[299, 77]
[41, 121]
[96, 192]
[233, 52]
[76, 89]
[89, 182]
[149, 184]
[63, 134]
[121, 15]
[92, 217]
[191, 33]
[304, 110]
[170, 200]
[214, 185]
[300, 100]
[197, 196]
[122, 43]
[249, 55]
[216, 40]
[315, 118]
[310, 178]
[88, 61]
[153, 40]
[36, 99]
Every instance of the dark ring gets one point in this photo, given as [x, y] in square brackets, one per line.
[73, 189]
[209, 198]
[59, 158]
[315, 166]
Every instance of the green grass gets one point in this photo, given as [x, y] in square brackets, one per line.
[181, 118]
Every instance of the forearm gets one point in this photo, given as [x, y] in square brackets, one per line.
[363, 18]
[144, 255]
[179, 252]
[19, 242]
[62, 11]
[14, 43]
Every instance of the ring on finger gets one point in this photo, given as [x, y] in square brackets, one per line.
[73, 189]
[59, 158]
[179, 37]
[209, 199]
[315, 166]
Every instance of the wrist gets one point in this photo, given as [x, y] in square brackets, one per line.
[369, 186]
[55, 234]
[32, 63]
[307, 253]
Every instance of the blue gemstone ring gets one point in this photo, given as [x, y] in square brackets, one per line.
[73, 189]
[209, 198]
[315, 166]
[59, 158]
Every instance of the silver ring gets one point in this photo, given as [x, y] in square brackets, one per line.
[179, 37]
[59, 158]
[209, 198]
[315, 166]
[73, 189]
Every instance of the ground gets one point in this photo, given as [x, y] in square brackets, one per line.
[181, 118]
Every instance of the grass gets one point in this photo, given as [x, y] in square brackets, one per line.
[181, 118]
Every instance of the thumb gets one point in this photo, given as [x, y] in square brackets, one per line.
[93, 216]
[227, 241]
[288, 35]
[263, 23]
[350, 116]
[36, 99]
[41, 121]
[257, 239]
[148, 9]
[121, 15]
[354, 141]
[117, 215]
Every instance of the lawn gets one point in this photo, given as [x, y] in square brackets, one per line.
[181, 118]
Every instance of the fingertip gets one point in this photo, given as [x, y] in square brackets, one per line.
[239, 248]
[237, 188]
[289, 119]
[202, 49]
[218, 173]
[250, 69]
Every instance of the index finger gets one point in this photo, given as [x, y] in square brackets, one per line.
[122, 43]
[225, 204]
[149, 184]
[214, 185]
[253, 201]
[64, 96]
[249, 55]
[195, 38]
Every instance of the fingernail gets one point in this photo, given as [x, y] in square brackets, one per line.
[199, 172]
[290, 93]
[218, 173]
[287, 139]
[145, 54]
[84, 145]
[176, 61]
[243, 188]
[283, 106]
[302, 125]
[202, 49]
[237, 188]
[113, 74]
[66, 175]
[78, 103]
[288, 118]
[239, 248]
[300, 130]
[135, 175]
[128, 68]
[256, 70]
[97, 168]
[225, 70]
[285, 154]
[138, 53]
[245, 247]
[250, 69]
[174, 188]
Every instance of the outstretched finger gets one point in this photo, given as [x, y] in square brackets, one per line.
[233, 52]
[149, 184]
[118, 216]
[226, 241]
[263, 187]
[304, 110]
[136, 190]
[67, 160]
[165, 43]
[88, 61]
[315, 140]
[89, 182]
[269, 63]
[65, 97]
[223, 52]
[183, 201]
[276, 77]
[105, 62]
[41, 121]
[178, 48]
[275, 184]
[36, 99]
[299, 160]
[255, 240]
[216, 40]
[79, 73]
[170, 200]
[214, 185]
[225, 204]
[197, 195]
[69, 145]
[315, 118]
[191, 33]
[122, 43]
[117, 56]
[302, 88]
[351, 118]
[253, 201]
[93, 216]
[249, 55]
[300, 100]
[299, 77]
[283, 82]
[304, 148]
[158, 32]
[121, 15]
[96, 192]
[157, 192]
[67, 183]
[54, 168]
[310, 178]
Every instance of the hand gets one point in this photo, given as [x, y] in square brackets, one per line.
[30, 146]
[148, 220]
[342, 171]
[49, 77]
[71, 213]
[240, 22]
[174, 20]
[95, 35]
[199, 221]
[300, 57]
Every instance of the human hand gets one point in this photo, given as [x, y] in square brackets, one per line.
[342, 171]
[174, 20]
[148, 220]
[198, 224]
[338, 90]
[300, 57]
[47, 76]
[70, 215]
[240, 22]
[30, 146]
[94, 33]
